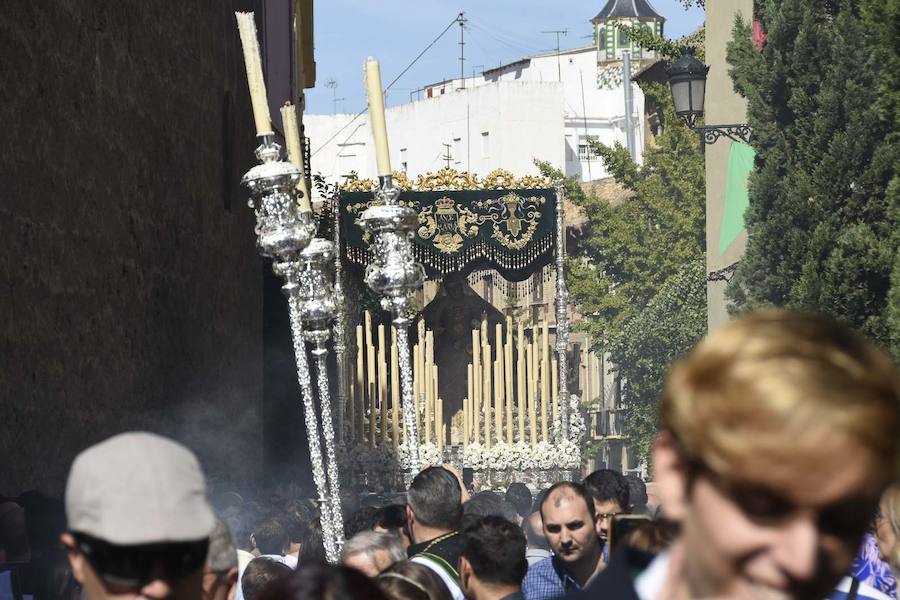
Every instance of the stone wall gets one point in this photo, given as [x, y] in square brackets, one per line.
[131, 287]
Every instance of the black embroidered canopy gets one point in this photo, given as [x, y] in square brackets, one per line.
[510, 230]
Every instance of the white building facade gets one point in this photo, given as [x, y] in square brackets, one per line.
[504, 125]
[544, 107]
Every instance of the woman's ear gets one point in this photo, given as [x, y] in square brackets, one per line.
[670, 474]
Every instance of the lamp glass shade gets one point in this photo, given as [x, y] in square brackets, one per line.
[681, 96]
[687, 81]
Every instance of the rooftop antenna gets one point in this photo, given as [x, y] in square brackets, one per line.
[461, 19]
[558, 32]
[332, 84]
[447, 156]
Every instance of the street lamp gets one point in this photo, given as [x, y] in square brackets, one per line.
[687, 81]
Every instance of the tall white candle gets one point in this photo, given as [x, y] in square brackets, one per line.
[295, 151]
[376, 116]
[253, 63]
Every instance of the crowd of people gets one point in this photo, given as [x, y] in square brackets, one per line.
[775, 477]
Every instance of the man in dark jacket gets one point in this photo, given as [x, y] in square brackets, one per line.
[434, 510]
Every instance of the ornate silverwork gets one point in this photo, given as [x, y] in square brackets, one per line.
[562, 315]
[284, 233]
[318, 310]
[395, 274]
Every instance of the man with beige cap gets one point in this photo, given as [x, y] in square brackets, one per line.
[138, 519]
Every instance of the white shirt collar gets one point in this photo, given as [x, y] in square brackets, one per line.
[650, 582]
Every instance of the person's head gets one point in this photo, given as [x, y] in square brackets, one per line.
[372, 552]
[637, 494]
[392, 519]
[454, 285]
[650, 536]
[362, 519]
[220, 572]
[312, 546]
[887, 527]
[14, 546]
[138, 519]
[539, 499]
[321, 581]
[54, 580]
[297, 515]
[241, 521]
[407, 580]
[259, 574]
[570, 524]
[779, 433]
[609, 491]
[270, 537]
[520, 497]
[487, 503]
[491, 557]
[533, 527]
[434, 503]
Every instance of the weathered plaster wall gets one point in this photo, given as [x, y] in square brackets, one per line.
[130, 288]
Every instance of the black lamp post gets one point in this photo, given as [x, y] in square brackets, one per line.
[687, 81]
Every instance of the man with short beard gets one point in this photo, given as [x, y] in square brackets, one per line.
[572, 529]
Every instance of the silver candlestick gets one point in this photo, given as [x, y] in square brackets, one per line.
[283, 232]
[562, 314]
[395, 274]
[340, 342]
[318, 310]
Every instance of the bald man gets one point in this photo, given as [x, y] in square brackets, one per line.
[571, 527]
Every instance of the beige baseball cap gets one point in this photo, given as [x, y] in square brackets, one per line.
[138, 488]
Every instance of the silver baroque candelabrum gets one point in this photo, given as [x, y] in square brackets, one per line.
[283, 233]
[395, 274]
[318, 310]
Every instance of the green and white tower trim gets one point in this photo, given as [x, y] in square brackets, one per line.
[611, 40]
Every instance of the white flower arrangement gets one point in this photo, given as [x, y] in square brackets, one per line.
[521, 456]
[577, 424]
[428, 455]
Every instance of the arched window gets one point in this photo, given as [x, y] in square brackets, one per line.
[601, 37]
[623, 38]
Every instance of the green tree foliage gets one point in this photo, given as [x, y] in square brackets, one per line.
[671, 323]
[670, 49]
[824, 215]
[632, 270]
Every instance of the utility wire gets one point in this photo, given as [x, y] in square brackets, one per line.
[402, 73]
[512, 41]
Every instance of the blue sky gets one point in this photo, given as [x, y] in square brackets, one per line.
[395, 31]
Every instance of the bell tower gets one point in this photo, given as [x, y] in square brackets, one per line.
[611, 40]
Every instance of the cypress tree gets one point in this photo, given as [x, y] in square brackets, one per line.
[822, 220]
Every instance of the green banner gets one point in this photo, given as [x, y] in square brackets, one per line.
[737, 197]
[512, 231]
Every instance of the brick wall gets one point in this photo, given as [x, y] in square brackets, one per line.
[131, 287]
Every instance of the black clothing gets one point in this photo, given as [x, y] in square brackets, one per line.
[616, 582]
[445, 547]
[514, 596]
